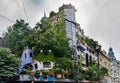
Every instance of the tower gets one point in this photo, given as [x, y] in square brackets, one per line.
[44, 17]
[111, 54]
[26, 58]
[70, 23]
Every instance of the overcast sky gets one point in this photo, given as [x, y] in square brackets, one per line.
[100, 19]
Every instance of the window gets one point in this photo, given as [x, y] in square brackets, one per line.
[105, 63]
[100, 59]
[87, 64]
[36, 66]
[47, 65]
[25, 55]
[90, 59]
[30, 54]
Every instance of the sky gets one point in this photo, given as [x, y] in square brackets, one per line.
[99, 18]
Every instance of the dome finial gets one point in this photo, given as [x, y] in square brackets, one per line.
[110, 49]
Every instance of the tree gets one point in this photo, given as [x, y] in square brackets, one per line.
[92, 43]
[8, 64]
[17, 36]
[64, 65]
[47, 36]
[94, 73]
[103, 72]
[42, 57]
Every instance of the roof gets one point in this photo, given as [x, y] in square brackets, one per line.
[111, 54]
[67, 6]
[105, 55]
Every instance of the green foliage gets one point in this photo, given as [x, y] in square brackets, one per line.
[91, 73]
[92, 43]
[47, 36]
[94, 73]
[44, 35]
[40, 57]
[61, 45]
[50, 57]
[64, 63]
[64, 66]
[17, 36]
[103, 72]
[8, 64]
[43, 58]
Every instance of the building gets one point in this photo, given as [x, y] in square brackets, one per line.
[115, 67]
[26, 59]
[84, 54]
[111, 54]
[105, 62]
[30, 61]
[70, 23]
[66, 15]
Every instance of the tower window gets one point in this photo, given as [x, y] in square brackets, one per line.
[25, 55]
[30, 54]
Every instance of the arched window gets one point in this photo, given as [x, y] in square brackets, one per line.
[46, 65]
[25, 55]
[87, 64]
[90, 59]
[30, 54]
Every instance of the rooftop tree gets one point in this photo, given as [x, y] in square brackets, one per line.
[92, 43]
[47, 36]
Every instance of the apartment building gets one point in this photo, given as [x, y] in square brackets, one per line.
[104, 61]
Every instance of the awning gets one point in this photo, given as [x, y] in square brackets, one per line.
[81, 48]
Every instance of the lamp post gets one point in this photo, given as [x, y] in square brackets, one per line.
[98, 50]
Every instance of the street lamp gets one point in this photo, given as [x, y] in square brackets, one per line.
[98, 50]
[75, 65]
